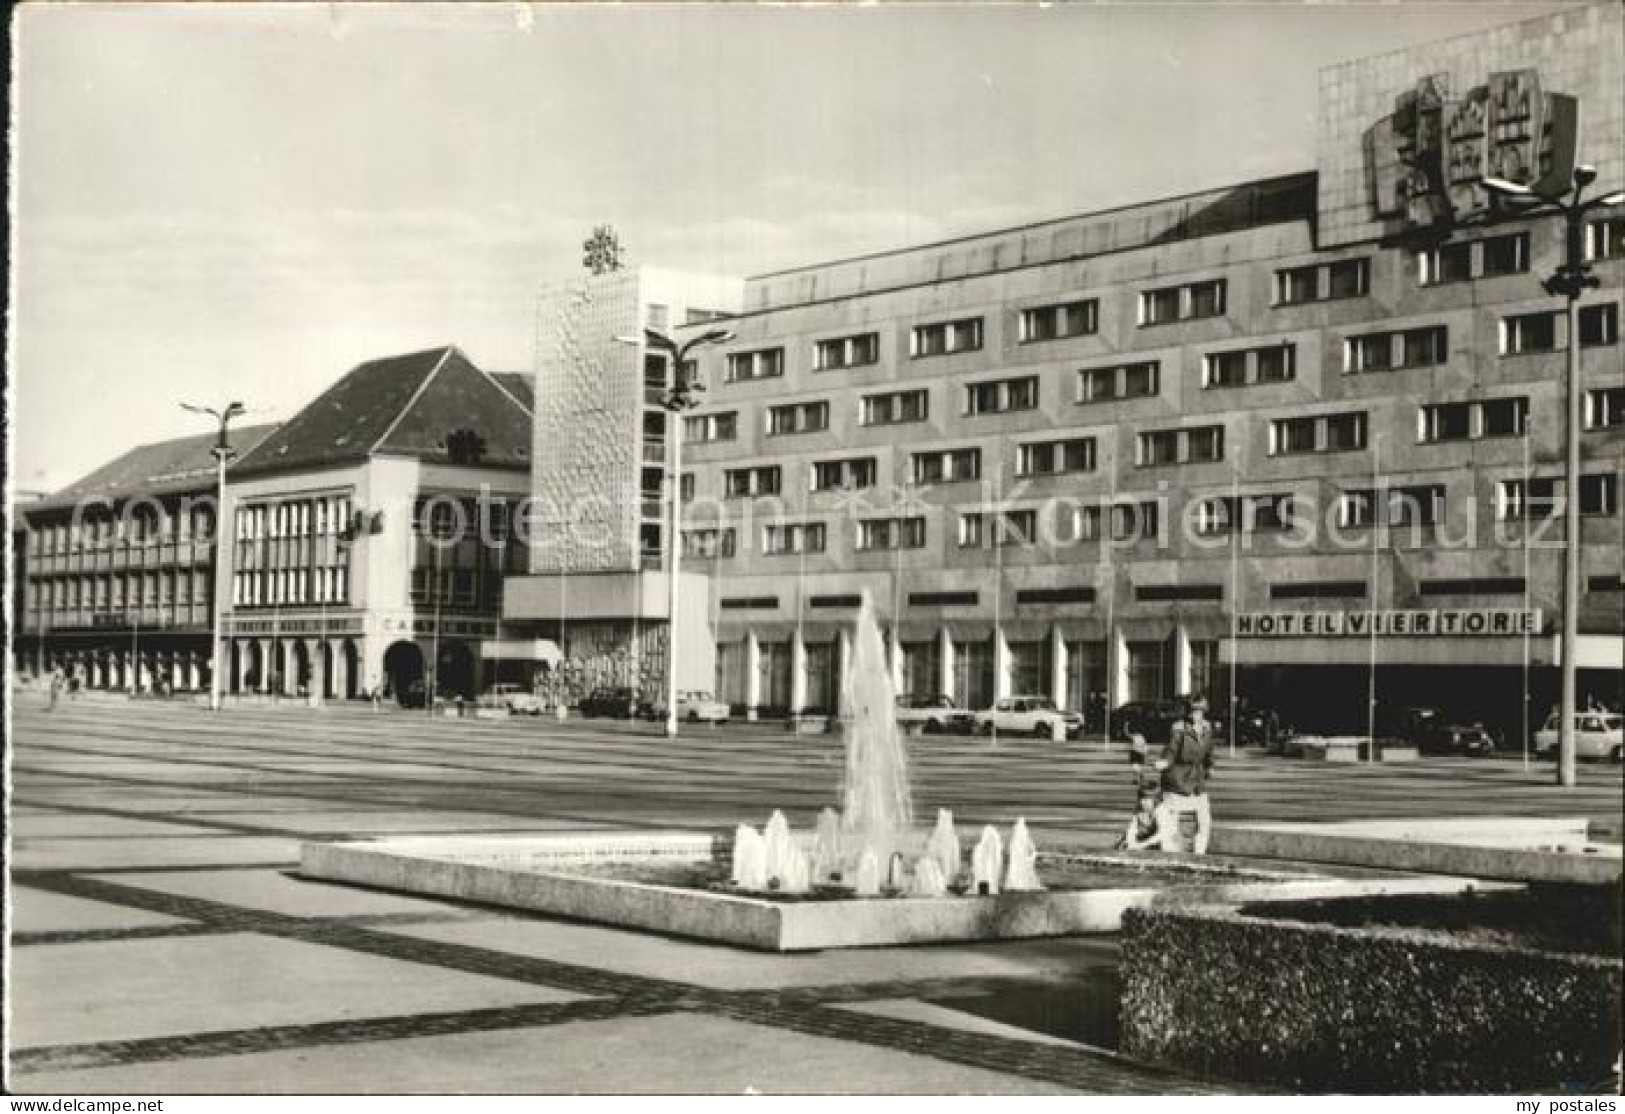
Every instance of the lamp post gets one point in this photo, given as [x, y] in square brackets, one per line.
[681, 396]
[222, 452]
[1571, 279]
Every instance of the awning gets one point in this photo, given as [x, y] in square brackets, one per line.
[521, 649]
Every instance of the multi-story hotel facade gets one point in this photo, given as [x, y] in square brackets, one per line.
[1304, 433]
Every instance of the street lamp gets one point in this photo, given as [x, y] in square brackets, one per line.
[682, 395]
[1571, 279]
[222, 452]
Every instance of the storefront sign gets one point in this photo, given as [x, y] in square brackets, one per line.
[1472, 622]
[340, 624]
[427, 626]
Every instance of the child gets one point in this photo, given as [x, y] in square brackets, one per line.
[1143, 829]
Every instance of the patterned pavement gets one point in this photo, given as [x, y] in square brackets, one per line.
[159, 943]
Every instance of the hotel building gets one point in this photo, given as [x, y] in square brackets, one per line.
[1305, 432]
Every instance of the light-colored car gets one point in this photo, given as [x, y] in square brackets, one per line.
[934, 715]
[1027, 715]
[516, 698]
[1596, 735]
[694, 706]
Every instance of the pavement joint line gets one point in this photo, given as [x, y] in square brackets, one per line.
[238, 1042]
[107, 935]
[1081, 1068]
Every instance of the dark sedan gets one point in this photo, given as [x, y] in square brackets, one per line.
[614, 703]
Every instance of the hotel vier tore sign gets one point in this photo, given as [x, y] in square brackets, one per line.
[1429, 158]
[1471, 623]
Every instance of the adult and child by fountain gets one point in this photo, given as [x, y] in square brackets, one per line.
[870, 847]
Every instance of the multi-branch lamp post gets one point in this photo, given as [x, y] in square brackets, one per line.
[683, 395]
[222, 453]
[1571, 279]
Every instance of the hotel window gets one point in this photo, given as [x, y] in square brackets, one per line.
[1019, 527]
[711, 427]
[740, 483]
[1134, 520]
[895, 408]
[1605, 239]
[800, 417]
[1053, 458]
[1420, 505]
[1323, 434]
[950, 466]
[1057, 322]
[1544, 332]
[1253, 512]
[1002, 395]
[1110, 384]
[685, 487]
[1182, 303]
[766, 363]
[945, 338]
[853, 351]
[788, 538]
[839, 475]
[1319, 282]
[891, 533]
[1198, 445]
[1275, 363]
[1605, 408]
[1407, 348]
[708, 543]
[1470, 421]
[1460, 262]
[1543, 498]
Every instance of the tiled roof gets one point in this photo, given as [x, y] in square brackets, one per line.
[520, 384]
[399, 406]
[184, 464]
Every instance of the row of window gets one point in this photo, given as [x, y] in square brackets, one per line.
[142, 526]
[276, 587]
[1436, 423]
[1424, 346]
[294, 518]
[176, 588]
[1394, 506]
[1463, 261]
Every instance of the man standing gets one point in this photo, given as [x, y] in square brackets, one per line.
[1186, 764]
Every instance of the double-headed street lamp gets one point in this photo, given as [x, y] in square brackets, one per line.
[683, 395]
[222, 452]
[1571, 279]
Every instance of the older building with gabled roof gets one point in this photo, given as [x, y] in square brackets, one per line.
[370, 535]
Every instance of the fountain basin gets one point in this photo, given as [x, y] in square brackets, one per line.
[617, 878]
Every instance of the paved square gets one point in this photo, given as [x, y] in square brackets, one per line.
[164, 944]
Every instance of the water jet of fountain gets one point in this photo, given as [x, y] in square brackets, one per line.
[867, 879]
[1022, 872]
[928, 879]
[985, 862]
[876, 807]
[749, 859]
[943, 846]
[827, 846]
[778, 847]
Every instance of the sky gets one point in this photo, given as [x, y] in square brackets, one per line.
[244, 201]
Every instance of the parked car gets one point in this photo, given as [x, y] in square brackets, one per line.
[1027, 715]
[1152, 719]
[615, 703]
[694, 706]
[516, 698]
[1596, 735]
[1431, 731]
[934, 715]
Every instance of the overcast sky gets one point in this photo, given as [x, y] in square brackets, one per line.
[244, 201]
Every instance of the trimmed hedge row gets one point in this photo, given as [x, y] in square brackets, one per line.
[1317, 1007]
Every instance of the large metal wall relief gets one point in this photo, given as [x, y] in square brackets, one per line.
[1428, 159]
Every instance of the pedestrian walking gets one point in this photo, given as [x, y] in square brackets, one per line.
[1186, 765]
[55, 689]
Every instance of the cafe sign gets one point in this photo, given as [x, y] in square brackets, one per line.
[1441, 623]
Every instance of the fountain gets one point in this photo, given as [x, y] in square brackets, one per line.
[863, 876]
